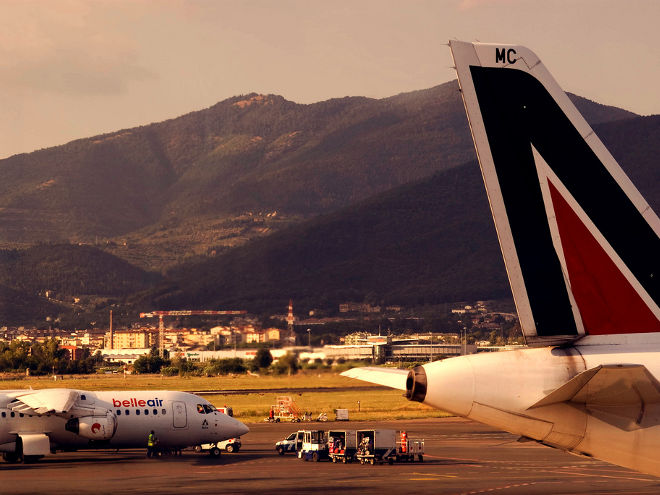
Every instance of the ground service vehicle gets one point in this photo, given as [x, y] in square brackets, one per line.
[407, 449]
[230, 445]
[292, 443]
[375, 446]
[314, 446]
[342, 445]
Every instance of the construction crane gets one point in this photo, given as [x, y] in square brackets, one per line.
[184, 312]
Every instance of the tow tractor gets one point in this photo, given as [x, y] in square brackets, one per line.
[215, 449]
[342, 445]
[314, 446]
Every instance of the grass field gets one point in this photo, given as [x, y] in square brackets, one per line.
[253, 407]
[189, 383]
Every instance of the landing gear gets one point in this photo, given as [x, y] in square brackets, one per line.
[11, 457]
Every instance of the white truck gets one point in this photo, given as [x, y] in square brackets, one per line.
[292, 443]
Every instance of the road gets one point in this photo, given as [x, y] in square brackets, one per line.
[462, 457]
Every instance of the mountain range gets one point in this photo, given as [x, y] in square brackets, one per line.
[258, 199]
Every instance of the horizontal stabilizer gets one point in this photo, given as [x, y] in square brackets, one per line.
[56, 400]
[618, 384]
[624, 395]
[389, 377]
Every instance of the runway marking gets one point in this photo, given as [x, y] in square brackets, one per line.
[486, 490]
[436, 475]
[598, 475]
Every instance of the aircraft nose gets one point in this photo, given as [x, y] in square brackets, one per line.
[241, 428]
[236, 428]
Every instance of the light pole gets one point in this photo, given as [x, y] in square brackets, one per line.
[309, 338]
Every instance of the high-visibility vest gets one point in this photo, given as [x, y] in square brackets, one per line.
[151, 440]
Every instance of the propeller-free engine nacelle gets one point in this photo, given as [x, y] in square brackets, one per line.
[97, 427]
[416, 384]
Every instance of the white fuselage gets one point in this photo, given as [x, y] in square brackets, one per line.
[121, 419]
[499, 388]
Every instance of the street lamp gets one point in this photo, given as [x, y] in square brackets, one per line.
[309, 338]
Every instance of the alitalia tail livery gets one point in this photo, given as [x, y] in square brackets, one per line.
[34, 423]
[582, 252]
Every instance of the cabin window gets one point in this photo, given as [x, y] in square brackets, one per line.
[21, 414]
[12, 414]
[155, 411]
[118, 412]
[146, 412]
[164, 411]
[4, 414]
[126, 412]
[137, 412]
[82, 397]
[200, 409]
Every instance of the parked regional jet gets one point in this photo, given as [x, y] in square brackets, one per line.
[34, 423]
[582, 252]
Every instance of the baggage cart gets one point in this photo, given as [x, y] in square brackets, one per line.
[375, 446]
[342, 445]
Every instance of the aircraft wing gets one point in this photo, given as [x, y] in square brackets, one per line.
[56, 400]
[389, 377]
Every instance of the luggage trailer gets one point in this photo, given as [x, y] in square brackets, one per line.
[342, 445]
[387, 445]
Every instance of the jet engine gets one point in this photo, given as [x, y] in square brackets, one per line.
[416, 384]
[99, 426]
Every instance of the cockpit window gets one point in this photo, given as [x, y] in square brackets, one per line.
[208, 409]
[200, 409]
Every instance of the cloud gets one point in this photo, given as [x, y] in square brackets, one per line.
[66, 47]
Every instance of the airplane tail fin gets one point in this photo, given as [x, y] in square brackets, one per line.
[580, 244]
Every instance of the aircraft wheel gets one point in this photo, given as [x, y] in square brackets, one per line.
[215, 452]
[230, 448]
[11, 457]
[197, 448]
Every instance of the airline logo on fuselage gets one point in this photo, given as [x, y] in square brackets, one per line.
[132, 402]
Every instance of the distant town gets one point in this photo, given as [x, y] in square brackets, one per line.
[467, 328]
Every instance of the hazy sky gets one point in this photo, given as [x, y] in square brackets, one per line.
[73, 68]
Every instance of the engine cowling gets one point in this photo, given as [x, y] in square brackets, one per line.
[416, 384]
[96, 427]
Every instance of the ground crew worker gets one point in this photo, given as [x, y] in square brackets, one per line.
[151, 444]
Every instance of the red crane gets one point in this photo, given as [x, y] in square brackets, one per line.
[184, 312]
